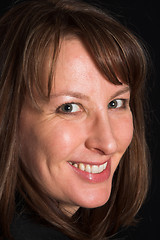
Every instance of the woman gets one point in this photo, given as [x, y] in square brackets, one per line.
[73, 153]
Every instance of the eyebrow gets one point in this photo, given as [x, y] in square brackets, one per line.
[85, 97]
[120, 92]
[71, 94]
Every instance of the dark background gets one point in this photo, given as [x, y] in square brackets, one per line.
[143, 18]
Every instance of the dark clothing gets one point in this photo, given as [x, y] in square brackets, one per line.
[25, 228]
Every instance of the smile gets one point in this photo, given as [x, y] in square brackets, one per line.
[90, 168]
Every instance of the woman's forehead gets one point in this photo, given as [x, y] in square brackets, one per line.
[76, 73]
[74, 59]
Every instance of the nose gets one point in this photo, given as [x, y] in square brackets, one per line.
[101, 137]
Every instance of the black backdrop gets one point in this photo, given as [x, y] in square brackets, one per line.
[142, 17]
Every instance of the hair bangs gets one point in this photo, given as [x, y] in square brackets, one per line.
[116, 52]
[39, 63]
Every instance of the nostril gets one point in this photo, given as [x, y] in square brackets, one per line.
[99, 151]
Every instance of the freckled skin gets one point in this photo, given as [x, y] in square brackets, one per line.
[94, 133]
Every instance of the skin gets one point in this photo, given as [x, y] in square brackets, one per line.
[92, 133]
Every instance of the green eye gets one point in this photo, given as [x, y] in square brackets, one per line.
[117, 103]
[69, 108]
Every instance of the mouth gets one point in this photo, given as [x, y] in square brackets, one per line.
[94, 169]
[93, 173]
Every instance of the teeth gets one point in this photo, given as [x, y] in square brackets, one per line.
[101, 168]
[75, 165]
[105, 165]
[90, 168]
[95, 169]
[81, 166]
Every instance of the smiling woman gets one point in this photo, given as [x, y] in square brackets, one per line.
[73, 152]
[58, 155]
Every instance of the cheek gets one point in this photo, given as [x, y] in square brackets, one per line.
[48, 146]
[123, 131]
[56, 141]
[62, 140]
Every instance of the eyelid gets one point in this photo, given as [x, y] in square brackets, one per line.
[63, 112]
[125, 103]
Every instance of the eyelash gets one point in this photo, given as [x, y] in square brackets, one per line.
[60, 111]
[124, 103]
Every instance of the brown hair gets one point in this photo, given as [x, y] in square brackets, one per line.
[26, 33]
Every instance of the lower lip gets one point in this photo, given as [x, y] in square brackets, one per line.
[94, 177]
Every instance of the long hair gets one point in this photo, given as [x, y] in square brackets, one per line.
[28, 32]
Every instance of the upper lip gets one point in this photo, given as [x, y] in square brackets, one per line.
[91, 162]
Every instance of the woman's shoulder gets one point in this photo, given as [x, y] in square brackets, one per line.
[24, 227]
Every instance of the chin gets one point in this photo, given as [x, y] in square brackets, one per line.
[95, 199]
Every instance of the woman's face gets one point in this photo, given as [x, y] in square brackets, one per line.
[74, 146]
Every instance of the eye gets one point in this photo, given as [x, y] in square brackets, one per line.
[117, 103]
[69, 108]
